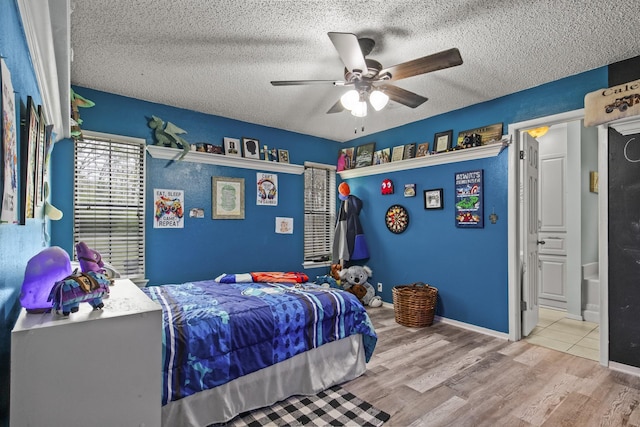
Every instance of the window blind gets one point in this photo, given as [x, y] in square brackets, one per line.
[108, 211]
[319, 211]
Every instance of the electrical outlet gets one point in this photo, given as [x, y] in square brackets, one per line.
[379, 287]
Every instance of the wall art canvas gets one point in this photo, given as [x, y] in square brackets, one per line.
[469, 199]
[9, 207]
[169, 208]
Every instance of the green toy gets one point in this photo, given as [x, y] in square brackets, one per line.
[169, 135]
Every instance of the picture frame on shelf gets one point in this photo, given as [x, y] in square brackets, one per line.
[442, 141]
[283, 156]
[251, 148]
[382, 156]
[227, 198]
[397, 153]
[232, 147]
[215, 149]
[273, 154]
[409, 151]
[364, 154]
[433, 199]
[488, 134]
[422, 149]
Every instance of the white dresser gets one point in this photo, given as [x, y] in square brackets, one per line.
[92, 368]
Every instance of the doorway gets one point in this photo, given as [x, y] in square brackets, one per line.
[568, 319]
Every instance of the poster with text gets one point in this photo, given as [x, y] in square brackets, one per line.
[9, 207]
[169, 208]
[469, 203]
[267, 194]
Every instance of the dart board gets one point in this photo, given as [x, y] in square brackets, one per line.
[397, 219]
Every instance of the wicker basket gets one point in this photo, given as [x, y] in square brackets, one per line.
[414, 304]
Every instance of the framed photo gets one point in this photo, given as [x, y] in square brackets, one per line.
[422, 150]
[251, 148]
[231, 147]
[349, 157]
[283, 156]
[433, 199]
[382, 156]
[409, 151]
[227, 198]
[442, 141]
[364, 154]
[398, 153]
[40, 156]
[30, 142]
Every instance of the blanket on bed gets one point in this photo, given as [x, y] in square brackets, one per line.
[216, 332]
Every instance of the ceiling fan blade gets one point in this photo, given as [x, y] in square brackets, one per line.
[403, 96]
[349, 50]
[306, 82]
[336, 108]
[426, 64]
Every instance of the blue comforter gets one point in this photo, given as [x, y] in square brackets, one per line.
[216, 332]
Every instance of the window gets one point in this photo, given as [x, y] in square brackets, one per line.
[319, 212]
[108, 202]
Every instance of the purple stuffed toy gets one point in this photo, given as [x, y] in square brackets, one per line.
[89, 286]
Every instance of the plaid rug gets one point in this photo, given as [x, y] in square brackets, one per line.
[334, 406]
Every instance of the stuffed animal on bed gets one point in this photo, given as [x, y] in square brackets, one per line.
[355, 280]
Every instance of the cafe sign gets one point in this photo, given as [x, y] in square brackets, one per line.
[606, 105]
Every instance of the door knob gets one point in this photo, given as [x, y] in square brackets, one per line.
[541, 242]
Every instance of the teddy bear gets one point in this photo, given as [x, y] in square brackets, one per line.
[355, 280]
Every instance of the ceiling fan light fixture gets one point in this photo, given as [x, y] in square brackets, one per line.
[360, 109]
[378, 100]
[350, 99]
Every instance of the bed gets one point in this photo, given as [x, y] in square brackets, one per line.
[244, 341]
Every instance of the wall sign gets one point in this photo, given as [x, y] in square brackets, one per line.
[469, 203]
[605, 105]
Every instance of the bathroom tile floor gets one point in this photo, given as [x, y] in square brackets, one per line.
[575, 337]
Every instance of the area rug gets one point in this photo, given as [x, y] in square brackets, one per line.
[334, 406]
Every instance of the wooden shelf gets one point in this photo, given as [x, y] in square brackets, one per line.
[167, 153]
[481, 152]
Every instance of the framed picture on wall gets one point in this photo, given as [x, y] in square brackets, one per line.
[227, 198]
[433, 199]
[397, 153]
[29, 147]
[251, 148]
[232, 146]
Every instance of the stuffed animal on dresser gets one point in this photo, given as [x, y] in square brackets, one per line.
[355, 280]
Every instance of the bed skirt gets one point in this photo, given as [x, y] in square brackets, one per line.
[304, 374]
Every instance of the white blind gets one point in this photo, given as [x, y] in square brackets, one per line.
[108, 210]
[319, 211]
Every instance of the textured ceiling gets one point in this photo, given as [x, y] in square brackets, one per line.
[218, 57]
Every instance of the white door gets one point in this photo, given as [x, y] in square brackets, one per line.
[530, 263]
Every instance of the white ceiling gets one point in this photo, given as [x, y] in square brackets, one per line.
[218, 57]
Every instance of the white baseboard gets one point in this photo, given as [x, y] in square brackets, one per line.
[470, 327]
[462, 325]
[632, 370]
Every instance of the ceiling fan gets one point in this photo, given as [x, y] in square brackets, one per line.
[370, 81]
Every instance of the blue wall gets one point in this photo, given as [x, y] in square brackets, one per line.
[204, 248]
[18, 243]
[468, 266]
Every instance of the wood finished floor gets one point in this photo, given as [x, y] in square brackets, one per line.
[446, 376]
